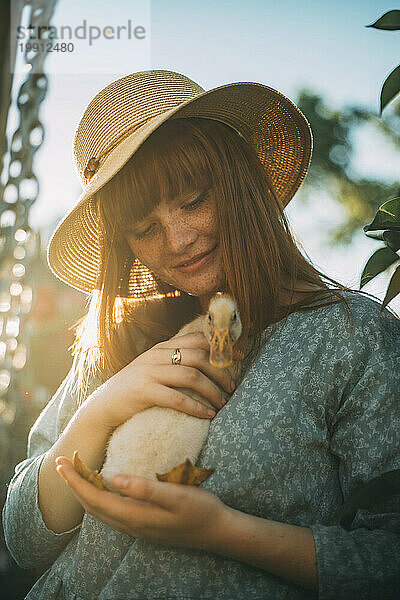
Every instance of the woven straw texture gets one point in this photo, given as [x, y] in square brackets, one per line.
[123, 115]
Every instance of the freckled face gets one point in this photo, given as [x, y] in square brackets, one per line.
[176, 232]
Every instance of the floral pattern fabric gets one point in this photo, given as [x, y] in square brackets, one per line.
[316, 415]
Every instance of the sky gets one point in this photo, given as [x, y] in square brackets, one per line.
[321, 45]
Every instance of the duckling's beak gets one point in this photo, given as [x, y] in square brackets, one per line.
[221, 349]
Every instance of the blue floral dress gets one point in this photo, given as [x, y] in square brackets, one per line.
[316, 416]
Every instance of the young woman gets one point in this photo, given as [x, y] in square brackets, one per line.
[184, 192]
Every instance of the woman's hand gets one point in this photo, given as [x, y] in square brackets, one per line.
[149, 380]
[191, 517]
[165, 513]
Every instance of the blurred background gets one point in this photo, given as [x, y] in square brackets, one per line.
[320, 54]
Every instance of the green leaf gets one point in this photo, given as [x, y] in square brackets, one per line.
[366, 495]
[389, 21]
[387, 217]
[393, 288]
[391, 87]
[378, 262]
[392, 239]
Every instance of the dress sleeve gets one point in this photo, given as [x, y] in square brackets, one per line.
[28, 539]
[364, 561]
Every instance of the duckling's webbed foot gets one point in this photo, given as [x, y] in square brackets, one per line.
[186, 474]
[91, 476]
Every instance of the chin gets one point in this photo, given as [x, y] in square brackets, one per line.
[216, 282]
[204, 290]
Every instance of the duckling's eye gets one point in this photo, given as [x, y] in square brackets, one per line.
[234, 316]
[209, 318]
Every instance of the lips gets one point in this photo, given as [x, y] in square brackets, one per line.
[194, 258]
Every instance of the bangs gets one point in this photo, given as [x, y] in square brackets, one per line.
[171, 163]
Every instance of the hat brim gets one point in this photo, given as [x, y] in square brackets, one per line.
[270, 122]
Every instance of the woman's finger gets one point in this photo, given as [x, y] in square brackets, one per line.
[178, 400]
[101, 503]
[164, 495]
[192, 357]
[193, 379]
[201, 360]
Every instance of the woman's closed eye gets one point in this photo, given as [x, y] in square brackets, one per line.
[190, 206]
[141, 234]
[196, 202]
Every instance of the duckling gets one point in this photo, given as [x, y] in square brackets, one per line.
[163, 443]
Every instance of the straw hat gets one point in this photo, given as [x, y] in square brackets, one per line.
[125, 113]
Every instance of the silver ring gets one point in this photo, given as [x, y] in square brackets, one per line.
[176, 357]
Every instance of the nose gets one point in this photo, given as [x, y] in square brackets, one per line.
[179, 236]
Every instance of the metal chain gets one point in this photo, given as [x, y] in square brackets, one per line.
[19, 244]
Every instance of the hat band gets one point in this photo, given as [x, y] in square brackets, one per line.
[94, 163]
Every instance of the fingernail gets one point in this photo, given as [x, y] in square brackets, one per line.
[61, 473]
[233, 386]
[211, 413]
